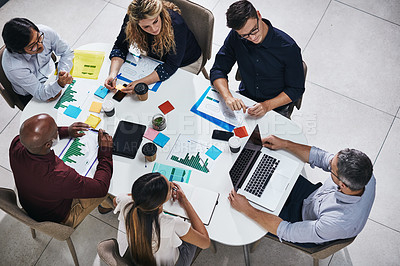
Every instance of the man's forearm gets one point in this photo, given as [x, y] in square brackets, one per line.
[299, 150]
[278, 101]
[268, 221]
[221, 85]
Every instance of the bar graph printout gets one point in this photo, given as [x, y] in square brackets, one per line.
[191, 153]
[81, 153]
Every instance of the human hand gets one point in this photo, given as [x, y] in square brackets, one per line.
[259, 109]
[55, 97]
[64, 78]
[75, 130]
[104, 139]
[239, 202]
[274, 143]
[110, 82]
[235, 104]
[178, 194]
[130, 88]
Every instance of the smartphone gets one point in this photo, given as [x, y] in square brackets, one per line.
[119, 95]
[222, 135]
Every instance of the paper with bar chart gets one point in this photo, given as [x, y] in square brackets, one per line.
[214, 105]
[81, 153]
[191, 153]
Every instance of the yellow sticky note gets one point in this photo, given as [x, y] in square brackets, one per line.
[95, 107]
[93, 121]
[119, 87]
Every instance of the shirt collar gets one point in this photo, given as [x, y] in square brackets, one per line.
[347, 198]
[268, 39]
[27, 56]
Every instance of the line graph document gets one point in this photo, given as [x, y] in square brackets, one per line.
[214, 105]
[81, 153]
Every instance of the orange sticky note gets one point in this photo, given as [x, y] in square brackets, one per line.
[241, 132]
[95, 107]
[93, 121]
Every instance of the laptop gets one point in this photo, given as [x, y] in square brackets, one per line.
[263, 175]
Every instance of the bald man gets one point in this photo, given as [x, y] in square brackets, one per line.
[48, 189]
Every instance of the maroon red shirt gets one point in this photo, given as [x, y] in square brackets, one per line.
[46, 185]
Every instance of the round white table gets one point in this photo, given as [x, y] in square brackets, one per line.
[183, 89]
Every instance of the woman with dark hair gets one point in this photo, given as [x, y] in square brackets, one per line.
[155, 238]
[157, 29]
[27, 60]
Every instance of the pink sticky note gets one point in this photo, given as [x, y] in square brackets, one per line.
[150, 134]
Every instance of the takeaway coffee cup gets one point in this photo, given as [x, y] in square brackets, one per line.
[108, 108]
[149, 151]
[141, 90]
[234, 144]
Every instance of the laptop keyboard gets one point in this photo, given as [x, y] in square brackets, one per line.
[259, 180]
[240, 165]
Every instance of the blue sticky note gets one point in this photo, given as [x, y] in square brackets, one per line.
[101, 92]
[161, 140]
[73, 111]
[213, 152]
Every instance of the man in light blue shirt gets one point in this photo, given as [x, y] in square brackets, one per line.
[27, 60]
[338, 209]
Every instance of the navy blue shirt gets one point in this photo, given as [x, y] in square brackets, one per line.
[187, 48]
[267, 69]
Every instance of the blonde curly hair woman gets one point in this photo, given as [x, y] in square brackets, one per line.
[158, 30]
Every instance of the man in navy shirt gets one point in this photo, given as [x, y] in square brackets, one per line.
[269, 62]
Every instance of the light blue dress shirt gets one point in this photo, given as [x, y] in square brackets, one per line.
[28, 73]
[327, 213]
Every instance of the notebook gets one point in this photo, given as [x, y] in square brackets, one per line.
[127, 139]
[203, 202]
[261, 174]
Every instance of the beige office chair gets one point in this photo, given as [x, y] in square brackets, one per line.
[200, 21]
[8, 203]
[317, 253]
[108, 251]
[297, 103]
[6, 90]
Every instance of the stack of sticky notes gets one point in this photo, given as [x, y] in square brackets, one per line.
[157, 137]
[72, 111]
[241, 132]
[213, 152]
[95, 107]
[93, 121]
[101, 92]
[166, 107]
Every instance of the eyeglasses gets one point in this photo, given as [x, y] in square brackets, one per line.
[253, 32]
[35, 46]
[335, 175]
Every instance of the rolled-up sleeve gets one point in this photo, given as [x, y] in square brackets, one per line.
[320, 158]
[224, 60]
[294, 73]
[62, 49]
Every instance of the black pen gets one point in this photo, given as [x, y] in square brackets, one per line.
[96, 130]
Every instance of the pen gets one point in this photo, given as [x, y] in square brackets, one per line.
[117, 76]
[96, 130]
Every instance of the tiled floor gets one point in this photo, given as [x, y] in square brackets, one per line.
[352, 99]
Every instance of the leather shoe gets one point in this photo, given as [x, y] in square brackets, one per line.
[103, 210]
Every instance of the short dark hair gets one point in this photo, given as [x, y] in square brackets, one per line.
[238, 14]
[354, 168]
[17, 34]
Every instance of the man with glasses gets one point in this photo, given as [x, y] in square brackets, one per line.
[269, 62]
[319, 213]
[27, 60]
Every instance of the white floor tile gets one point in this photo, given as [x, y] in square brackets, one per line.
[386, 169]
[85, 239]
[387, 9]
[375, 245]
[356, 54]
[68, 18]
[7, 113]
[7, 136]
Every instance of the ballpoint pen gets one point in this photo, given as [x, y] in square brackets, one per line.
[96, 130]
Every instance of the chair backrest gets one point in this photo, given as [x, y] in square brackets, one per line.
[200, 21]
[108, 251]
[6, 89]
[8, 203]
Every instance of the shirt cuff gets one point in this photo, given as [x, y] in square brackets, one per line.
[117, 53]
[162, 72]
[313, 155]
[280, 232]
[63, 132]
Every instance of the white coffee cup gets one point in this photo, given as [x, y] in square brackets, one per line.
[234, 144]
[108, 108]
